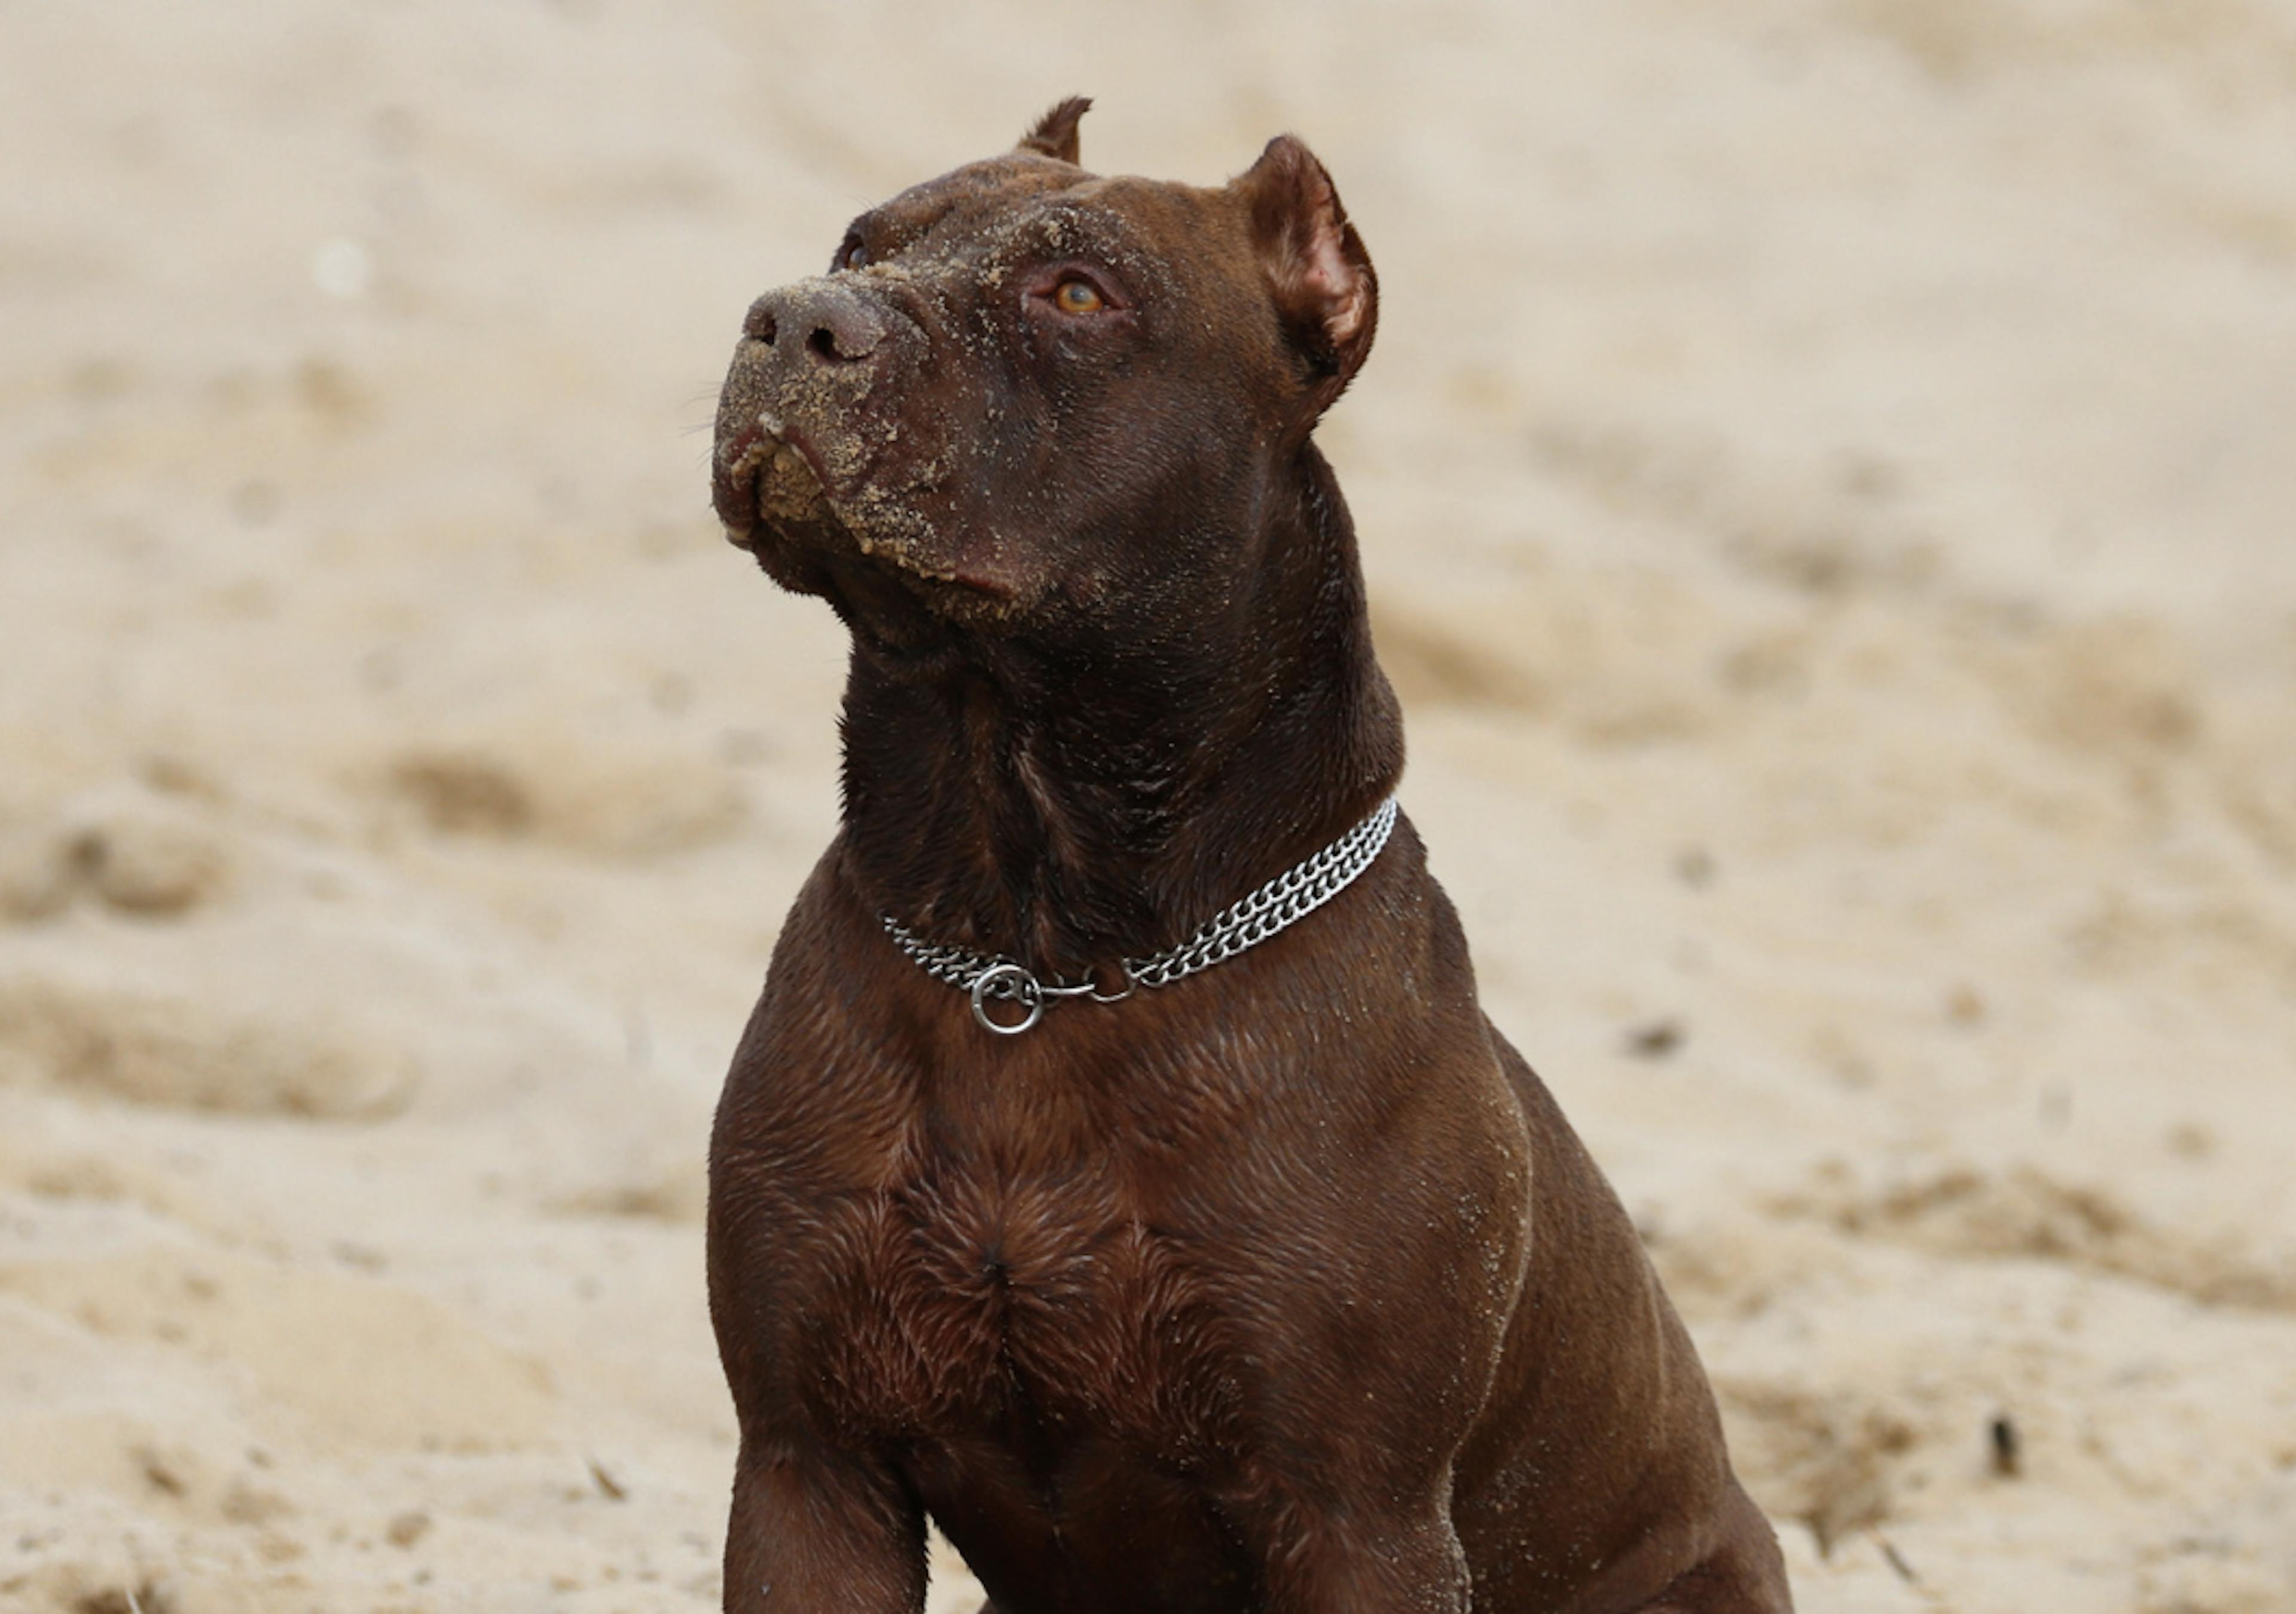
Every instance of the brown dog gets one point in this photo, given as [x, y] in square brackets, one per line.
[1260, 1275]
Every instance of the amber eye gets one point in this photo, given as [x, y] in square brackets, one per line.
[1078, 297]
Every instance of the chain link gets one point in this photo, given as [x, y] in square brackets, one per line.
[1283, 902]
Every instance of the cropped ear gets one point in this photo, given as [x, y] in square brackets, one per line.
[1055, 134]
[1317, 270]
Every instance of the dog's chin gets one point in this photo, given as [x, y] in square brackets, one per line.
[890, 589]
[911, 615]
[874, 554]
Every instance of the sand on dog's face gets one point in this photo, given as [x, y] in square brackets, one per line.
[925, 436]
[1824, 487]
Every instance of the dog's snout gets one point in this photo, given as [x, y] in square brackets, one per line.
[839, 327]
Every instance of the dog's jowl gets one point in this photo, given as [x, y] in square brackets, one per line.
[1117, 1169]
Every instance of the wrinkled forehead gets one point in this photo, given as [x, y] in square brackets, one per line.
[1023, 208]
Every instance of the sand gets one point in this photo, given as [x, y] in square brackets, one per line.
[1825, 475]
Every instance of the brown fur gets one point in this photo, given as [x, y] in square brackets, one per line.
[1285, 1287]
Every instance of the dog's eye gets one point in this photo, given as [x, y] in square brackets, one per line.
[852, 255]
[1074, 296]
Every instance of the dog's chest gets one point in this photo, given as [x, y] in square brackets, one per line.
[988, 1292]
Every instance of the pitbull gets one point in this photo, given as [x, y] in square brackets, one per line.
[1117, 1169]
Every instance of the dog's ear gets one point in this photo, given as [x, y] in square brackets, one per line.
[1055, 134]
[1318, 269]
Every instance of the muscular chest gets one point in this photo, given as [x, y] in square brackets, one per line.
[937, 1240]
[969, 1296]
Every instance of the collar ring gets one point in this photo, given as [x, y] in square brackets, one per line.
[1014, 982]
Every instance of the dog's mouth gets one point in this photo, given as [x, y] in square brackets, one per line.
[769, 479]
[771, 489]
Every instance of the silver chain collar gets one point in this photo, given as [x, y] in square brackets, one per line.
[1283, 902]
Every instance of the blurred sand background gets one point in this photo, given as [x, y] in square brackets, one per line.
[1827, 474]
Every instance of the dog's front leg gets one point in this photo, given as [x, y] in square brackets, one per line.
[820, 1532]
[1364, 1557]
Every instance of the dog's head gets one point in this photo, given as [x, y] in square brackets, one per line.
[1024, 394]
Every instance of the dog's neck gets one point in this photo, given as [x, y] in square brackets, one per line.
[1071, 809]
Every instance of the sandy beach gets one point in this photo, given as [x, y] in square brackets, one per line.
[1827, 476]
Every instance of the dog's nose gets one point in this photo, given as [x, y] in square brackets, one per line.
[832, 325]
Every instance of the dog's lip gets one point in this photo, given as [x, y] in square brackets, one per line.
[791, 438]
[735, 494]
[734, 490]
